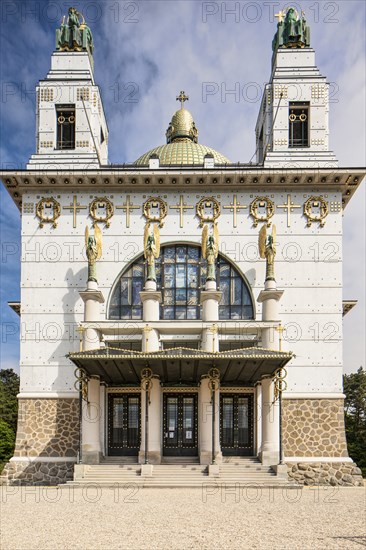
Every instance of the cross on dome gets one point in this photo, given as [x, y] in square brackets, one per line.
[182, 97]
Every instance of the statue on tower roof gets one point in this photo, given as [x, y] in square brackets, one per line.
[74, 36]
[292, 30]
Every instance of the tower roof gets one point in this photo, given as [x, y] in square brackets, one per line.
[182, 145]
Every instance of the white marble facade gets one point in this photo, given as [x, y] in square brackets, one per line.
[308, 263]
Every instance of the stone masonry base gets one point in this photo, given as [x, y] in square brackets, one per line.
[47, 442]
[325, 473]
[37, 473]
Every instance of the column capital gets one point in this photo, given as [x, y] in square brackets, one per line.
[95, 295]
[271, 294]
[151, 295]
[211, 295]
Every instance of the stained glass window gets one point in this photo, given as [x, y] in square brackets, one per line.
[181, 275]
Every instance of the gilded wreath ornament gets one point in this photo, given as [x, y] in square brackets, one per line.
[254, 210]
[108, 207]
[316, 217]
[163, 210]
[40, 211]
[207, 202]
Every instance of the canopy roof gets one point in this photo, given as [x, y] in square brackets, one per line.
[181, 365]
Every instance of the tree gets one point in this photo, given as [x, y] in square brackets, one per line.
[7, 442]
[9, 388]
[354, 385]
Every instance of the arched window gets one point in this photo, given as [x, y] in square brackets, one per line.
[181, 274]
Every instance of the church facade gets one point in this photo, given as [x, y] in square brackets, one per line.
[182, 306]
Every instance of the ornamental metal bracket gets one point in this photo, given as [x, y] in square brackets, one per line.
[280, 384]
[214, 380]
[146, 380]
[81, 383]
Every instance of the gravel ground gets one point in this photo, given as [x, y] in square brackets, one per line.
[130, 518]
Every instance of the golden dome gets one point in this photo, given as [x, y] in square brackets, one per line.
[182, 126]
[182, 152]
[182, 143]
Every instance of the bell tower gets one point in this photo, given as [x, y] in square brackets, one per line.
[72, 131]
[293, 123]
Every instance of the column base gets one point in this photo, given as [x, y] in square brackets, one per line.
[281, 471]
[206, 457]
[91, 457]
[269, 458]
[147, 470]
[153, 457]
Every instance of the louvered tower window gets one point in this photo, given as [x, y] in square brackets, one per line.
[299, 124]
[65, 126]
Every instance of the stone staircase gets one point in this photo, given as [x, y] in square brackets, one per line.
[184, 473]
[248, 470]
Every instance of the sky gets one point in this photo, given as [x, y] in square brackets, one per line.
[145, 53]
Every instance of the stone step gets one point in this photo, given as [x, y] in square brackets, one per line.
[179, 460]
[119, 461]
[244, 472]
[150, 483]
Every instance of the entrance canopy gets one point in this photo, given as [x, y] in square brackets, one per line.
[180, 365]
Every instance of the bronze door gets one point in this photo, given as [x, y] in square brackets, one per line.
[180, 425]
[123, 424]
[236, 424]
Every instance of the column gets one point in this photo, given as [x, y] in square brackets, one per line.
[91, 410]
[151, 299]
[210, 299]
[92, 298]
[91, 448]
[154, 423]
[258, 418]
[269, 297]
[102, 423]
[270, 424]
[205, 423]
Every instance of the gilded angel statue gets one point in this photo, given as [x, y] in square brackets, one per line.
[210, 250]
[267, 250]
[151, 249]
[93, 244]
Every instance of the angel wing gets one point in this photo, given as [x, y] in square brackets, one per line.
[262, 241]
[216, 239]
[86, 235]
[157, 241]
[204, 241]
[146, 236]
[274, 233]
[98, 240]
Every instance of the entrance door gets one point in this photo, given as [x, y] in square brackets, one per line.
[123, 424]
[236, 419]
[180, 425]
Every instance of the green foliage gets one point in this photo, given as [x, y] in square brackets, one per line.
[7, 441]
[9, 388]
[354, 385]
